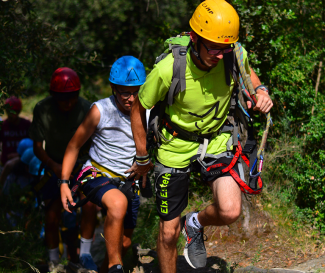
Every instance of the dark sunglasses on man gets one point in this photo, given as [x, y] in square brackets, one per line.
[217, 51]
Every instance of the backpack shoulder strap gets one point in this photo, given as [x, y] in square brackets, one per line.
[179, 68]
[231, 67]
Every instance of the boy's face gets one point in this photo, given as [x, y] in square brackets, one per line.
[125, 95]
[13, 116]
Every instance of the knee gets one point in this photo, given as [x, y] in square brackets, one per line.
[169, 236]
[116, 208]
[89, 208]
[52, 217]
[230, 215]
[126, 242]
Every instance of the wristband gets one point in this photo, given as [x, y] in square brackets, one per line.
[142, 161]
[145, 157]
[263, 88]
[63, 182]
[143, 164]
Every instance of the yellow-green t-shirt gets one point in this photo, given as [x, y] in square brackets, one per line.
[202, 108]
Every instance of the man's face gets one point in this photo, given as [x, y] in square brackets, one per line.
[67, 105]
[126, 95]
[208, 59]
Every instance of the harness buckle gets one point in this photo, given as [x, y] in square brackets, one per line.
[182, 51]
[193, 138]
[202, 163]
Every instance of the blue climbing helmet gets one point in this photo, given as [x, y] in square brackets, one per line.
[27, 155]
[127, 71]
[23, 145]
[34, 166]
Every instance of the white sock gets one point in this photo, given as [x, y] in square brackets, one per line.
[54, 254]
[65, 252]
[85, 245]
[194, 222]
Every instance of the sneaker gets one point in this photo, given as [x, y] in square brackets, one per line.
[194, 251]
[87, 262]
[56, 267]
[116, 269]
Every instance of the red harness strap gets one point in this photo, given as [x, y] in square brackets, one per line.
[243, 186]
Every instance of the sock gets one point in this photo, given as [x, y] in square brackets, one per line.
[54, 254]
[65, 252]
[85, 245]
[194, 222]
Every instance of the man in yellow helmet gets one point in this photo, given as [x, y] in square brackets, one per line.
[202, 109]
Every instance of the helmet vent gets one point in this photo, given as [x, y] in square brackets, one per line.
[206, 21]
[201, 30]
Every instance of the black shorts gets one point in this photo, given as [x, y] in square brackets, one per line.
[172, 188]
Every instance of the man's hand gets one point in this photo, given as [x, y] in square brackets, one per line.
[137, 171]
[66, 196]
[57, 169]
[264, 102]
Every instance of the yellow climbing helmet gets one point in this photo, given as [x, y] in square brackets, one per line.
[216, 21]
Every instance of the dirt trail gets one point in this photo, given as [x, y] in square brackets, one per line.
[251, 244]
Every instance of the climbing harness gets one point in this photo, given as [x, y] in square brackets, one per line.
[234, 67]
[128, 187]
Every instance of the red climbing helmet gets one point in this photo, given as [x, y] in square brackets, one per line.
[64, 80]
[15, 103]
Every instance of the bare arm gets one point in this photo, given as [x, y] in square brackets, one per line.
[43, 156]
[83, 133]
[139, 130]
[139, 127]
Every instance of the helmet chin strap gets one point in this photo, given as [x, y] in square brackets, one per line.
[196, 53]
[116, 97]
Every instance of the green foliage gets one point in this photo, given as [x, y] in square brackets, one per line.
[18, 213]
[107, 30]
[26, 42]
[285, 40]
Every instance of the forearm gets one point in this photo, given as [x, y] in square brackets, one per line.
[254, 78]
[69, 161]
[41, 154]
[12, 155]
[139, 127]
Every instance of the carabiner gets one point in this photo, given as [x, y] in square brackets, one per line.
[259, 168]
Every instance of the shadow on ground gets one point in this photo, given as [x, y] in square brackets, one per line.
[214, 264]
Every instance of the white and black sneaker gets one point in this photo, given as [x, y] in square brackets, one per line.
[194, 251]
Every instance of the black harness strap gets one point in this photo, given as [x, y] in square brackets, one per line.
[80, 203]
[178, 132]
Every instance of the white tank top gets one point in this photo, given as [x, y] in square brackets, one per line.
[112, 142]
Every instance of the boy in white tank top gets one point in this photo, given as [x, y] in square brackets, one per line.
[112, 151]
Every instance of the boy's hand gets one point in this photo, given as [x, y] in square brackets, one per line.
[66, 196]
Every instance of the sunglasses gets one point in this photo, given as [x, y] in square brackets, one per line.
[127, 95]
[217, 51]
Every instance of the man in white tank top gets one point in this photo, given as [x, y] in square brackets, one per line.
[112, 151]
